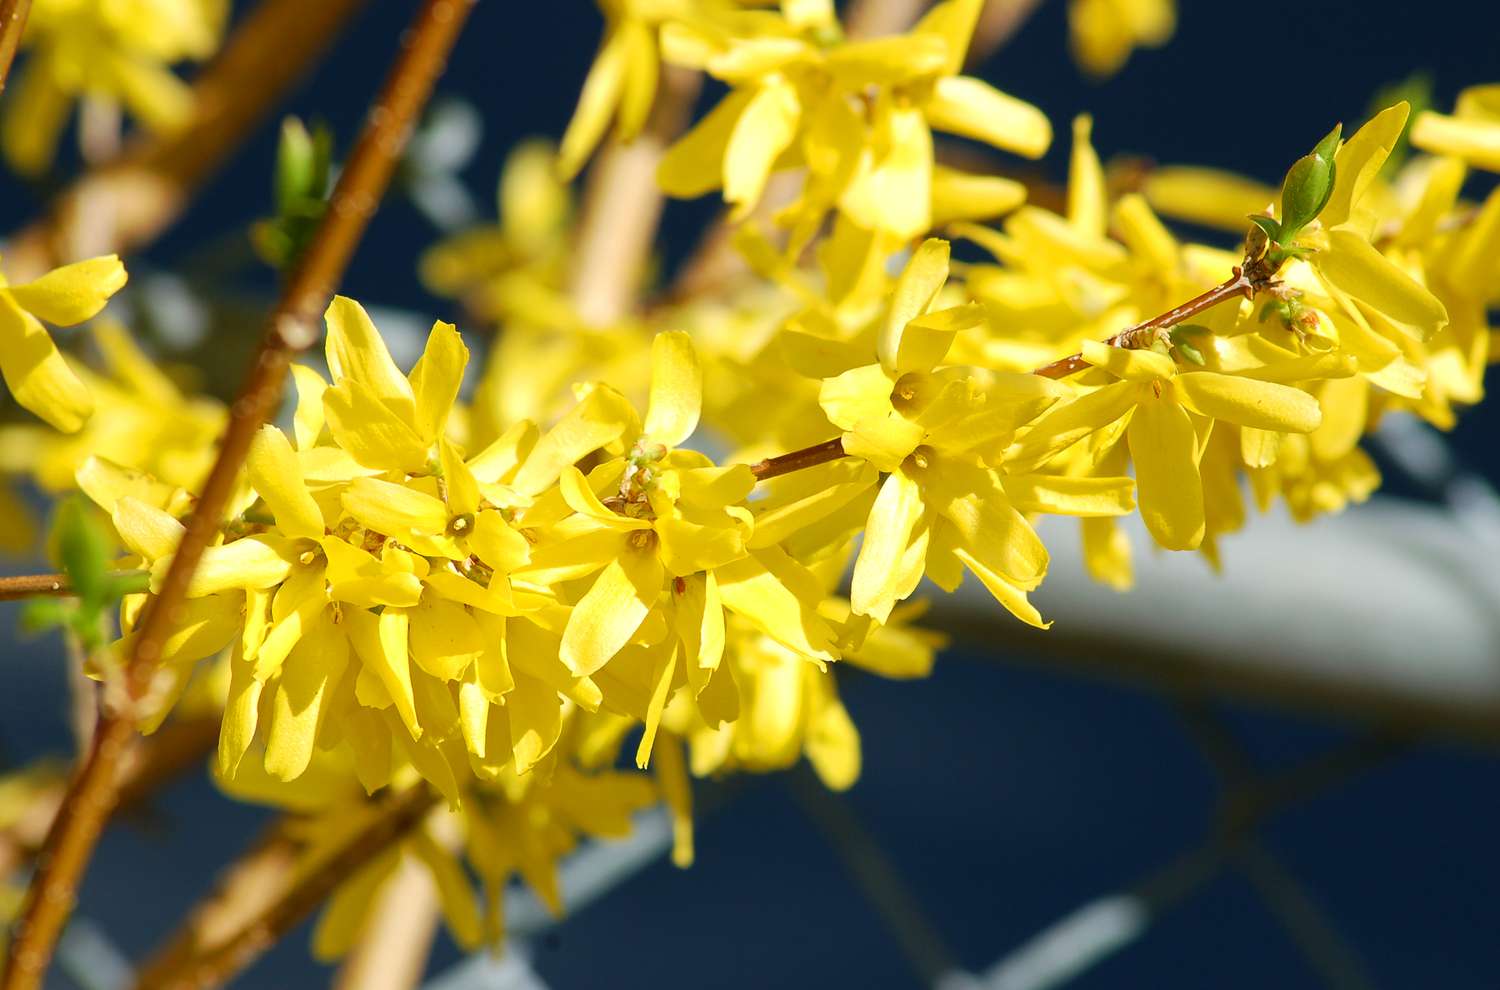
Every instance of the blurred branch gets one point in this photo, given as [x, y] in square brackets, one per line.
[126, 202]
[200, 962]
[622, 206]
[291, 328]
[32, 585]
[392, 951]
[13, 15]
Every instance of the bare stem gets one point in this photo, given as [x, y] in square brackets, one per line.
[1145, 334]
[819, 453]
[216, 964]
[292, 327]
[33, 585]
[12, 26]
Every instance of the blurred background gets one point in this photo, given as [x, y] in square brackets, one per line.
[1230, 802]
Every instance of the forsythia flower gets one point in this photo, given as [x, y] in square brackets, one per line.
[1104, 32]
[858, 114]
[115, 49]
[35, 372]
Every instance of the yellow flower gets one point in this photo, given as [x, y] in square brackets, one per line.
[1170, 414]
[1104, 32]
[37, 375]
[118, 50]
[858, 114]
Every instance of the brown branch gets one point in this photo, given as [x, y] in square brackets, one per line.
[32, 585]
[12, 25]
[1145, 334]
[291, 328]
[142, 191]
[195, 965]
[819, 453]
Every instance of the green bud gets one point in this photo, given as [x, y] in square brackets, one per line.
[1308, 184]
[296, 165]
[1269, 227]
[83, 549]
[1182, 339]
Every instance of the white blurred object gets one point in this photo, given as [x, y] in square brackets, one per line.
[1389, 611]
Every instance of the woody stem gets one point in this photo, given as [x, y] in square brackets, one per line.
[291, 328]
[1144, 334]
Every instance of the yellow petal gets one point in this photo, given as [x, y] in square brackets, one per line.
[1062, 495]
[959, 195]
[973, 108]
[596, 104]
[676, 389]
[919, 284]
[893, 194]
[1087, 197]
[695, 164]
[1163, 446]
[1353, 265]
[241, 714]
[445, 639]
[1475, 141]
[380, 642]
[830, 739]
[307, 679]
[370, 431]
[1132, 364]
[307, 421]
[455, 892]
[661, 687]
[146, 530]
[612, 610]
[436, 378]
[1261, 404]
[1206, 196]
[36, 374]
[601, 418]
[1007, 594]
[1359, 160]
[877, 583]
[1068, 422]
[276, 475]
[493, 541]
[763, 131]
[393, 509]
[73, 293]
[780, 597]
[356, 351]
[251, 562]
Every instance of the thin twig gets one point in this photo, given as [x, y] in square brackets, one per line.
[33, 585]
[12, 25]
[292, 327]
[1145, 334]
[230, 956]
[819, 453]
[145, 189]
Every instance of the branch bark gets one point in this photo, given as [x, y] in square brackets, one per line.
[13, 14]
[196, 962]
[292, 327]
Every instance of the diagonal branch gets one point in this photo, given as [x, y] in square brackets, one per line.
[12, 26]
[291, 328]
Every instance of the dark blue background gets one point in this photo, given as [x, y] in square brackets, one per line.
[1007, 795]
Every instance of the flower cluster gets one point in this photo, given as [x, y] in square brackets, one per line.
[114, 50]
[636, 536]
